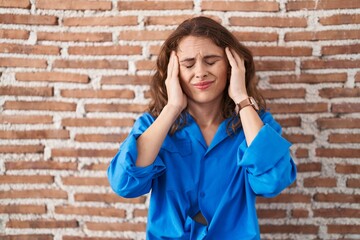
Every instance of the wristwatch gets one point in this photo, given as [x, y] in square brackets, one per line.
[250, 101]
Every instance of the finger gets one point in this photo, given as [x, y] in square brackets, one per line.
[170, 65]
[238, 59]
[230, 57]
[175, 70]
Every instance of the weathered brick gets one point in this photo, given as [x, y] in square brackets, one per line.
[40, 105]
[339, 92]
[93, 64]
[347, 168]
[256, 36]
[337, 197]
[271, 213]
[304, 229]
[286, 198]
[26, 91]
[52, 77]
[125, 226]
[13, 34]
[74, 37]
[42, 223]
[309, 78]
[353, 183]
[96, 167]
[321, 4]
[77, 152]
[145, 65]
[25, 119]
[256, 6]
[15, 4]
[167, 20]
[344, 138]
[340, 19]
[52, 165]
[100, 137]
[21, 148]
[91, 211]
[74, 5]
[28, 19]
[345, 107]
[145, 35]
[337, 212]
[155, 5]
[283, 93]
[105, 50]
[22, 62]
[29, 179]
[101, 21]
[29, 49]
[126, 79]
[281, 51]
[325, 123]
[268, 21]
[84, 181]
[338, 152]
[299, 138]
[27, 236]
[289, 122]
[298, 107]
[302, 153]
[35, 134]
[269, 65]
[97, 122]
[343, 229]
[106, 197]
[140, 212]
[341, 49]
[329, 64]
[23, 209]
[309, 167]
[115, 108]
[36, 193]
[322, 35]
[314, 182]
[299, 213]
[124, 93]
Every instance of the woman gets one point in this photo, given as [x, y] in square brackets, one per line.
[206, 149]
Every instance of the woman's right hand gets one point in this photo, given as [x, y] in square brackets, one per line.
[176, 97]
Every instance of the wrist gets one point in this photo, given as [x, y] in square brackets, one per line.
[237, 99]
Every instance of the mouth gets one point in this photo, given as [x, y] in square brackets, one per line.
[203, 84]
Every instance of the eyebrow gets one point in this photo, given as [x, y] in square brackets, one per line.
[205, 57]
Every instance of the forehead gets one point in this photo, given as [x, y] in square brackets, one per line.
[192, 46]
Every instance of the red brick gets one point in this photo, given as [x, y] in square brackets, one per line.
[106, 198]
[127, 79]
[96, 167]
[269, 65]
[299, 138]
[256, 36]
[145, 65]
[357, 77]
[168, 20]
[324, 64]
[105, 50]
[342, 49]
[344, 138]
[304, 229]
[353, 183]
[125, 226]
[325, 123]
[337, 212]
[343, 229]
[154, 49]
[308, 167]
[100, 137]
[35, 134]
[40, 105]
[283, 93]
[85, 181]
[268, 21]
[298, 107]
[74, 37]
[25, 119]
[23, 209]
[52, 77]
[155, 5]
[94, 64]
[101, 21]
[321, 4]
[289, 122]
[26, 91]
[89, 93]
[309, 78]
[140, 212]
[345, 107]
[71, 5]
[299, 213]
[347, 168]
[144, 35]
[302, 153]
[28, 19]
[256, 6]
[37, 193]
[337, 197]
[13, 34]
[34, 165]
[339, 92]
[340, 19]
[42, 223]
[29, 49]
[314, 182]
[28, 179]
[139, 108]
[15, 4]
[97, 122]
[72, 152]
[27, 236]
[281, 51]
[92, 238]
[21, 149]
[91, 211]
[22, 62]
[338, 152]
[322, 35]
[271, 213]
[286, 198]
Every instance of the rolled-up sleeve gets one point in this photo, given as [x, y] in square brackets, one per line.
[125, 178]
[267, 160]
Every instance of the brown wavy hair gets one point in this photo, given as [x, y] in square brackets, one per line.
[208, 28]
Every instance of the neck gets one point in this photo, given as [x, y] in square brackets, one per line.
[206, 114]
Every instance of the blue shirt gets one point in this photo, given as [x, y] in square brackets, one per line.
[221, 180]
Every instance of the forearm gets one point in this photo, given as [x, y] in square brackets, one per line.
[251, 123]
[149, 143]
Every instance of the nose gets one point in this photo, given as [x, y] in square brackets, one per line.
[201, 71]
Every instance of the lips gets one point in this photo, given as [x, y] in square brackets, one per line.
[203, 85]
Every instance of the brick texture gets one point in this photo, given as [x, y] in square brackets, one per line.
[74, 76]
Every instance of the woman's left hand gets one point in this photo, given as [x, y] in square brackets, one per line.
[237, 88]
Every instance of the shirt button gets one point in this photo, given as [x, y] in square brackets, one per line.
[202, 194]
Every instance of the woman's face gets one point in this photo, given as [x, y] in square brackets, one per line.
[203, 69]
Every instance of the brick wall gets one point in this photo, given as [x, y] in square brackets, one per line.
[74, 76]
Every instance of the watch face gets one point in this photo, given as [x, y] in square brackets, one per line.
[254, 103]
